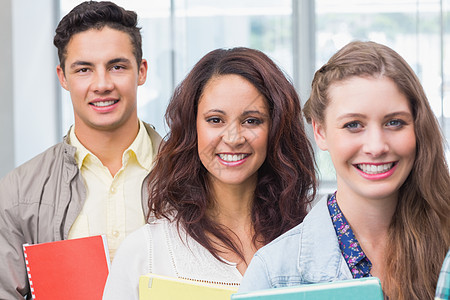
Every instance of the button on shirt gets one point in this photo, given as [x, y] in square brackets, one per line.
[357, 261]
[113, 204]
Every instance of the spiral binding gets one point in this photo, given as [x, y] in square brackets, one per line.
[28, 271]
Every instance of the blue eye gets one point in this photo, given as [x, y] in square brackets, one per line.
[352, 125]
[395, 123]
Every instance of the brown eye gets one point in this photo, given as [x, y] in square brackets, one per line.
[214, 120]
[117, 68]
[253, 121]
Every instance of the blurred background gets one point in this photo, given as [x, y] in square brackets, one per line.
[299, 36]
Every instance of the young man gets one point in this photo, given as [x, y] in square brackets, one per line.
[92, 182]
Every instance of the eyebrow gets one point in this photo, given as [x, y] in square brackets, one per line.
[399, 113]
[215, 111]
[362, 116]
[249, 112]
[80, 63]
[89, 64]
[351, 115]
[118, 60]
[245, 113]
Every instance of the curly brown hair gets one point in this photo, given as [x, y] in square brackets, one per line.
[179, 187]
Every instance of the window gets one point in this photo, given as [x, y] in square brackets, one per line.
[176, 37]
[177, 33]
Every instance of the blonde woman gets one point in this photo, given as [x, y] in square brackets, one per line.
[390, 215]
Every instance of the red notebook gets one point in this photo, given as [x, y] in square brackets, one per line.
[68, 269]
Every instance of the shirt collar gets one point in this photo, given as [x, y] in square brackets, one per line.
[357, 261]
[141, 148]
[81, 153]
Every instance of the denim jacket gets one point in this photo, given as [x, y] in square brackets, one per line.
[308, 253]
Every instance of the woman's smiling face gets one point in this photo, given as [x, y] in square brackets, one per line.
[369, 133]
[232, 130]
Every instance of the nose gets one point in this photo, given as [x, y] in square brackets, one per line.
[234, 135]
[375, 142]
[102, 82]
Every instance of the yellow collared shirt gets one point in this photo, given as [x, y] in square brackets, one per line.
[113, 204]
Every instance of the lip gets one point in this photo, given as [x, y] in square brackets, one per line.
[104, 109]
[378, 176]
[233, 163]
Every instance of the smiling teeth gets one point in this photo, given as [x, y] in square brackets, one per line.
[103, 103]
[232, 158]
[373, 169]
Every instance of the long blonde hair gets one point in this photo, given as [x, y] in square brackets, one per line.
[419, 234]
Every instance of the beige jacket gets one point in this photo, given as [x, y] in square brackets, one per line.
[39, 201]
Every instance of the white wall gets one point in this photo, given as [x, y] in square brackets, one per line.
[34, 60]
[6, 90]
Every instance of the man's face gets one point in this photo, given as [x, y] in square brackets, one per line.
[102, 77]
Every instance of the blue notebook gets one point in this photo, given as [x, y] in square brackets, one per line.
[356, 289]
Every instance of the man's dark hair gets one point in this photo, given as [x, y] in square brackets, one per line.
[96, 15]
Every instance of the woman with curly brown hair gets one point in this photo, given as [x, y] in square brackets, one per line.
[236, 171]
[390, 215]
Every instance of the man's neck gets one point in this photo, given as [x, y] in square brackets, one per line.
[108, 146]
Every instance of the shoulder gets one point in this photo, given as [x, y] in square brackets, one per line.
[132, 257]
[37, 171]
[136, 251]
[44, 160]
[138, 239]
[140, 242]
[300, 245]
[292, 238]
[285, 239]
[132, 260]
[275, 264]
[154, 135]
[288, 243]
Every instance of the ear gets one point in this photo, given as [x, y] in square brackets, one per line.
[319, 135]
[61, 77]
[142, 72]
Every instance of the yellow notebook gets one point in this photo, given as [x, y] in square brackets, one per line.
[152, 286]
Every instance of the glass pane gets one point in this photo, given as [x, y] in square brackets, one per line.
[202, 26]
[446, 72]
